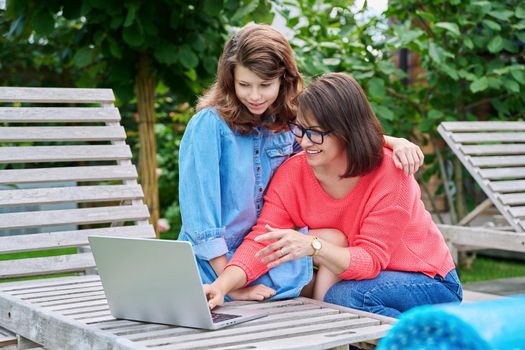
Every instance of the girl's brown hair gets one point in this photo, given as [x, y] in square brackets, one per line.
[267, 53]
[338, 103]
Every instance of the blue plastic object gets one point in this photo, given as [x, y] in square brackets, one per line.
[495, 324]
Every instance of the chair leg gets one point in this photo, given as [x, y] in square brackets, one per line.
[26, 344]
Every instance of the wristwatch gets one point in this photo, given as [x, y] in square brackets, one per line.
[316, 245]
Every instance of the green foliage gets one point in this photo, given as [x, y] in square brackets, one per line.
[183, 39]
[329, 36]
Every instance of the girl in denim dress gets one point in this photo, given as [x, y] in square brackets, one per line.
[232, 147]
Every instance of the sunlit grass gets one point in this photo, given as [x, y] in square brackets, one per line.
[484, 268]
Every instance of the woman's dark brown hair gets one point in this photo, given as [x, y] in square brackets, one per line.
[338, 103]
[266, 52]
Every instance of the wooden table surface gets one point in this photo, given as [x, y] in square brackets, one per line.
[72, 313]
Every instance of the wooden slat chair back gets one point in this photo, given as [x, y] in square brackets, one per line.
[494, 154]
[65, 174]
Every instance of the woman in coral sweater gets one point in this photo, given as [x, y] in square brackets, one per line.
[373, 241]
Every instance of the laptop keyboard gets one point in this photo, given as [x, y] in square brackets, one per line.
[217, 317]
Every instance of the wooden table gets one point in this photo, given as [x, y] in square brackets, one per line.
[72, 313]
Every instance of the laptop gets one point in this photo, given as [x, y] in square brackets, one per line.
[158, 281]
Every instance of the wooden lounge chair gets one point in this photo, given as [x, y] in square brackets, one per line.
[494, 154]
[67, 173]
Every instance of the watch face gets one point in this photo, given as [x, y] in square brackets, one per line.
[316, 244]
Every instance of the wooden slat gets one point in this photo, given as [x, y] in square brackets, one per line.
[483, 237]
[61, 174]
[53, 330]
[493, 149]
[235, 337]
[497, 161]
[59, 114]
[141, 332]
[78, 194]
[62, 133]
[47, 265]
[484, 137]
[6, 337]
[518, 212]
[513, 198]
[74, 216]
[336, 339]
[40, 154]
[56, 95]
[507, 186]
[49, 240]
[503, 173]
[483, 126]
[45, 290]
[68, 298]
[67, 282]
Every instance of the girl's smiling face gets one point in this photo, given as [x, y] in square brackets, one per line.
[255, 93]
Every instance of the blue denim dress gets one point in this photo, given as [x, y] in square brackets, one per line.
[223, 178]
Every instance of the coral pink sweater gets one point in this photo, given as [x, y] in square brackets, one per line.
[383, 217]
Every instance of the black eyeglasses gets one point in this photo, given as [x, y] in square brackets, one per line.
[315, 136]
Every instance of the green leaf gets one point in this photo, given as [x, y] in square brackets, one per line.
[192, 74]
[210, 64]
[43, 23]
[166, 53]
[83, 57]
[521, 36]
[263, 13]
[451, 27]
[198, 42]
[435, 114]
[376, 87]
[501, 15]
[213, 7]
[519, 75]
[491, 25]
[468, 43]
[520, 25]
[245, 10]
[480, 84]
[133, 35]
[187, 57]
[494, 83]
[512, 86]
[115, 49]
[427, 16]
[434, 52]
[520, 12]
[496, 44]
[132, 12]
[383, 112]
[450, 71]
[426, 125]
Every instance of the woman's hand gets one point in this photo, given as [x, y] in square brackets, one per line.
[407, 155]
[258, 292]
[214, 295]
[289, 245]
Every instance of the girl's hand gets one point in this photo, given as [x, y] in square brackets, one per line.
[289, 245]
[407, 156]
[258, 292]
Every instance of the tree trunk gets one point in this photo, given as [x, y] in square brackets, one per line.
[145, 90]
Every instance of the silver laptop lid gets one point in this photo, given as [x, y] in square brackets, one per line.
[151, 280]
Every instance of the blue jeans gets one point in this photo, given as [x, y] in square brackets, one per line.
[393, 292]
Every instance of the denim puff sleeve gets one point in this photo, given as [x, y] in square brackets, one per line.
[199, 186]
